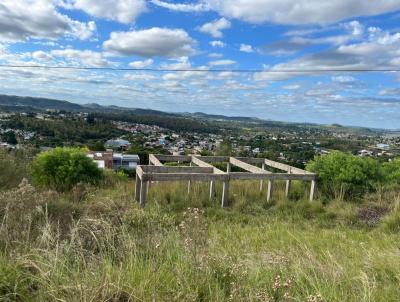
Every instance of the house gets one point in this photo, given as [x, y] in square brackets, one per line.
[125, 161]
[104, 160]
[365, 153]
[115, 161]
[117, 144]
[383, 146]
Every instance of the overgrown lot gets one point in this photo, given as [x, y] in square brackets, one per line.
[96, 244]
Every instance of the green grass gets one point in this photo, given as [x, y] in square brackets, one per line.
[103, 247]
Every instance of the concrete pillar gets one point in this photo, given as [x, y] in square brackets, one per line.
[137, 188]
[269, 190]
[312, 189]
[143, 193]
[212, 190]
[189, 183]
[261, 181]
[225, 194]
[288, 184]
[228, 167]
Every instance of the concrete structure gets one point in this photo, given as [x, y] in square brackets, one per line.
[201, 169]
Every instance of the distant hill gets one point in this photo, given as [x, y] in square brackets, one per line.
[38, 103]
[19, 104]
[223, 117]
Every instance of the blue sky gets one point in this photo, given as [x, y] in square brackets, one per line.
[269, 35]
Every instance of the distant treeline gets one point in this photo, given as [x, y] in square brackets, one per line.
[63, 131]
[176, 123]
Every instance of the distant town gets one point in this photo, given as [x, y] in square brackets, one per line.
[121, 138]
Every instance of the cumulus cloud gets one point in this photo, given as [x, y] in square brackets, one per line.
[183, 7]
[81, 57]
[41, 56]
[379, 50]
[246, 48]
[141, 64]
[288, 11]
[153, 42]
[178, 63]
[217, 44]
[24, 19]
[123, 11]
[215, 27]
[221, 62]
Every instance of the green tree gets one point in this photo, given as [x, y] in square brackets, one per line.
[10, 137]
[343, 175]
[63, 168]
[96, 146]
[225, 148]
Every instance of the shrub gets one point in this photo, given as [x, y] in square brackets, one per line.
[62, 168]
[343, 175]
[392, 172]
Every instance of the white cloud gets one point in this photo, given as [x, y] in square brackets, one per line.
[139, 77]
[221, 62]
[217, 44]
[215, 27]
[343, 79]
[141, 64]
[81, 57]
[161, 42]
[24, 19]
[182, 7]
[123, 11]
[246, 48]
[41, 56]
[292, 87]
[178, 63]
[390, 92]
[355, 27]
[380, 50]
[215, 55]
[288, 11]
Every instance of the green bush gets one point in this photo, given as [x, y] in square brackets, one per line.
[344, 176]
[62, 168]
[392, 171]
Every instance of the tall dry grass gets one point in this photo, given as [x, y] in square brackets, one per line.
[96, 244]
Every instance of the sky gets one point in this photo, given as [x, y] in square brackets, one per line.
[289, 43]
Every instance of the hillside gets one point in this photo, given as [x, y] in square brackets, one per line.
[17, 103]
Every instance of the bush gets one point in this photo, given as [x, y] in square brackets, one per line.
[392, 172]
[344, 176]
[62, 168]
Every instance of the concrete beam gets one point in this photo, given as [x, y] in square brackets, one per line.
[247, 167]
[154, 160]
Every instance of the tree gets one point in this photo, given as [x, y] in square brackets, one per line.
[62, 168]
[10, 138]
[96, 146]
[225, 148]
[343, 175]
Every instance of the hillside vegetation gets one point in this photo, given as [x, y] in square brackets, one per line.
[94, 243]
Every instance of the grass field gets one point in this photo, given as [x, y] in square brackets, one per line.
[96, 244]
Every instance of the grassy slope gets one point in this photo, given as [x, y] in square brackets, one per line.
[113, 252]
